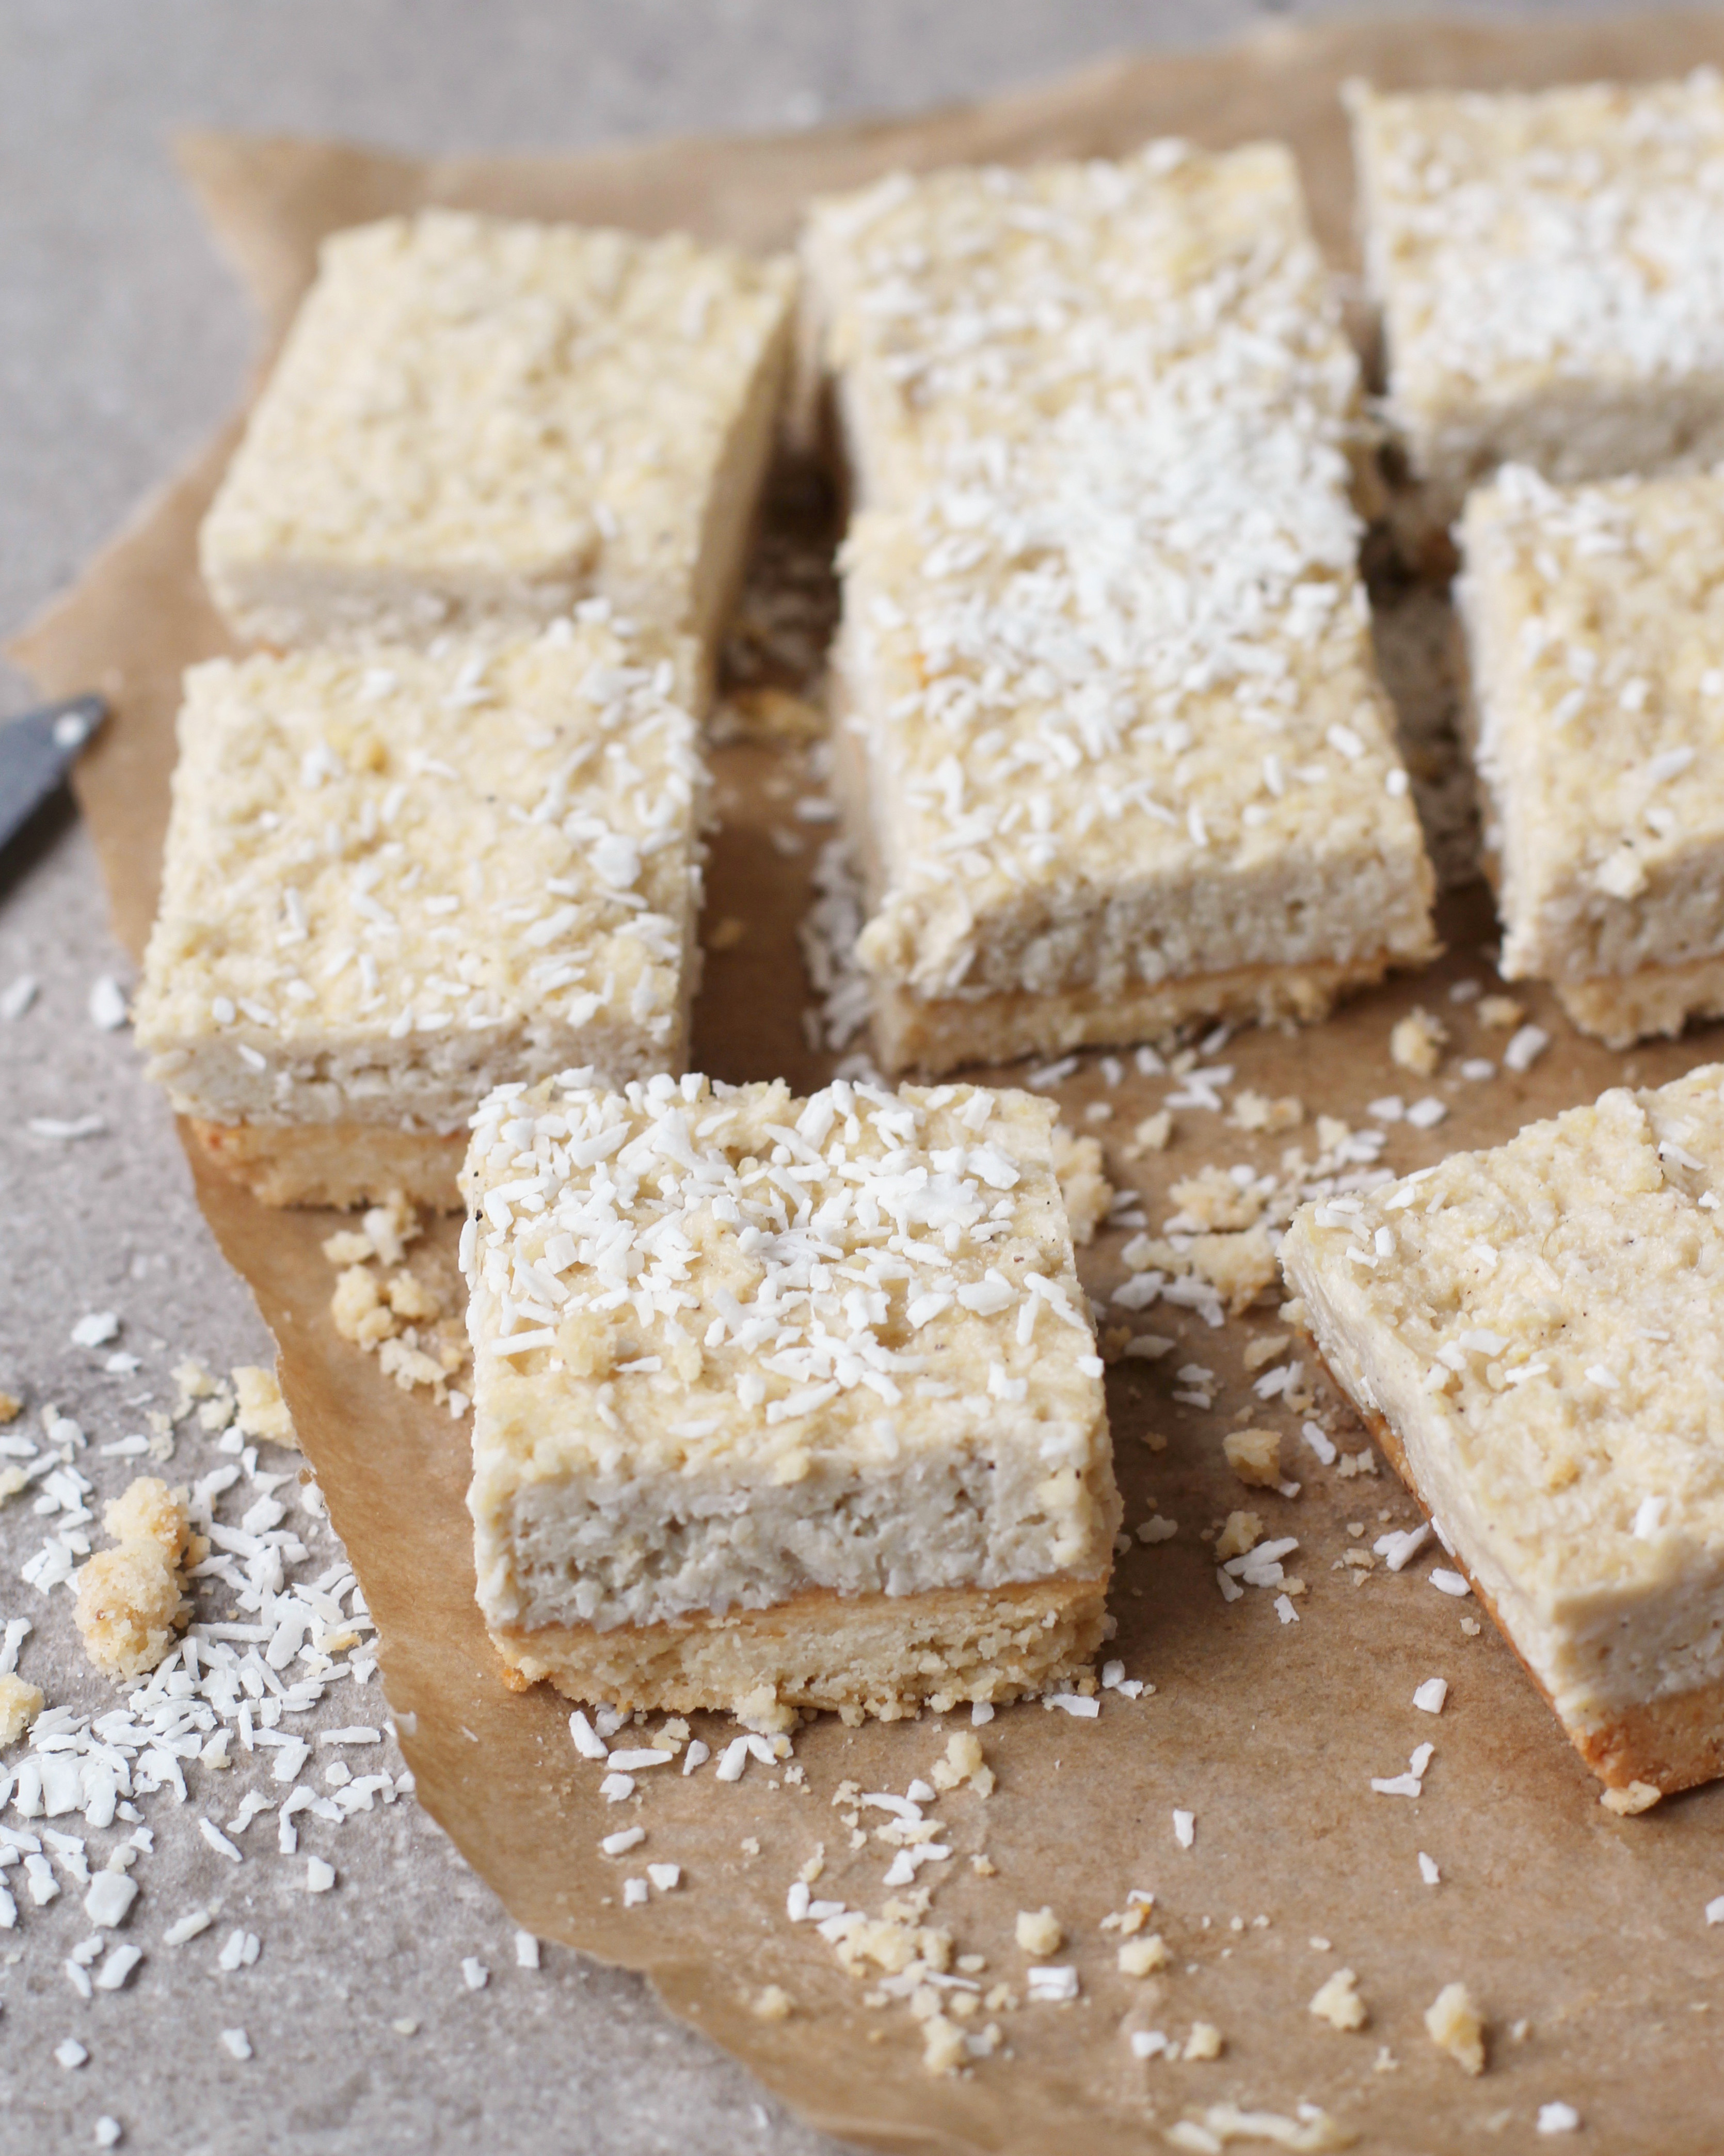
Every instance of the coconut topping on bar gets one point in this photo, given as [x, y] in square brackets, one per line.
[1103, 620]
[1576, 231]
[1598, 638]
[376, 856]
[715, 1267]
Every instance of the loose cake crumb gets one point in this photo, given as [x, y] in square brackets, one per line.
[944, 2049]
[1212, 1202]
[772, 2003]
[1152, 1135]
[1040, 1932]
[1254, 1455]
[1205, 2041]
[20, 1703]
[1241, 1266]
[1338, 2003]
[1143, 1957]
[11, 1407]
[262, 1411]
[964, 1762]
[131, 1599]
[1083, 1182]
[1502, 1013]
[1559, 2118]
[1243, 1532]
[1257, 1111]
[1455, 2025]
[1637, 1797]
[1416, 1043]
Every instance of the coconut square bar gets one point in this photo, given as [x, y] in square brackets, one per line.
[1113, 750]
[393, 878]
[1532, 1333]
[1595, 626]
[1548, 269]
[477, 420]
[782, 1403]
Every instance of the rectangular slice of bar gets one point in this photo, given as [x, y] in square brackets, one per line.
[781, 1402]
[1113, 747]
[393, 877]
[1595, 626]
[1532, 1334]
[476, 420]
[1549, 270]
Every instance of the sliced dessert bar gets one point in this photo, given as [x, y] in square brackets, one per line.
[1595, 627]
[1113, 749]
[1532, 1334]
[782, 1403]
[1549, 270]
[393, 878]
[474, 420]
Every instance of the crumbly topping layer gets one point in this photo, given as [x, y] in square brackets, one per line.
[1596, 617]
[1513, 240]
[671, 1278]
[465, 392]
[1558, 1295]
[1103, 620]
[391, 851]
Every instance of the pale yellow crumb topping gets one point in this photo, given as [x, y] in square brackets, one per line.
[1595, 617]
[472, 394]
[1563, 248]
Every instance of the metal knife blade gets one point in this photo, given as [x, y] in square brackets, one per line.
[36, 752]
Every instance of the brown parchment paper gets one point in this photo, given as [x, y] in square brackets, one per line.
[1588, 1929]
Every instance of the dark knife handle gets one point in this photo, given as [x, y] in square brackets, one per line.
[37, 751]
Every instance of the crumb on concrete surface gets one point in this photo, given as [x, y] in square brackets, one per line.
[20, 1703]
[11, 1407]
[262, 1411]
[1455, 2025]
[131, 1599]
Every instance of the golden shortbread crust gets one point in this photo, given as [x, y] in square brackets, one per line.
[882, 1655]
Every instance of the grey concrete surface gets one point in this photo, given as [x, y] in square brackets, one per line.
[120, 341]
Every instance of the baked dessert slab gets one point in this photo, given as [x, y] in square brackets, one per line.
[1115, 754]
[477, 420]
[394, 876]
[782, 1403]
[1532, 1333]
[1594, 620]
[1548, 269]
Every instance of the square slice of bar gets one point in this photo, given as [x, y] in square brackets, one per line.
[394, 877]
[781, 1403]
[1595, 627]
[1114, 750]
[1549, 271]
[477, 420]
[1532, 1334]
